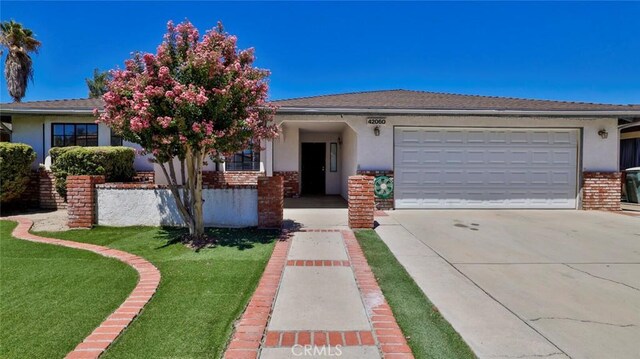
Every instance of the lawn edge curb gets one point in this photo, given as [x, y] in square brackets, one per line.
[387, 332]
[112, 327]
[250, 330]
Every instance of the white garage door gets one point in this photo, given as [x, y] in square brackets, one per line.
[485, 167]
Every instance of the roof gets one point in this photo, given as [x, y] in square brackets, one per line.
[385, 101]
[421, 100]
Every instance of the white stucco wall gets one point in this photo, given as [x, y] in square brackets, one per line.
[349, 150]
[376, 152]
[156, 207]
[286, 149]
[29, 130]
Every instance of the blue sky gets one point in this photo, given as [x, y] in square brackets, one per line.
[567, 51]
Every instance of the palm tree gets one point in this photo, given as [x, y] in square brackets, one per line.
[18, 67]
[98, 84]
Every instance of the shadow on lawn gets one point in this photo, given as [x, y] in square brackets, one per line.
[241, 238]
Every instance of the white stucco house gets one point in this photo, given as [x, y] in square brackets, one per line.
[442, 150]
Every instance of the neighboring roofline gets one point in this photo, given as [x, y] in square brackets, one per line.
[408, 111]
[381, 111]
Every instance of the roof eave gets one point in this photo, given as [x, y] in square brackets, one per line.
[48, 111]
[389, 111]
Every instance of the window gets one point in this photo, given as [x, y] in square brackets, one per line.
[115, 139]
[247, 160]
[333, 157]
[74, 134]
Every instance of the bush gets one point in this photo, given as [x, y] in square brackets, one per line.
[15, 167]
[115, 163]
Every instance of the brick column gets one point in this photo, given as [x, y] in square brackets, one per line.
[291, 183]
[361, 201]
[81, 204]
[49, 197]
[601, 191]
[270, 202]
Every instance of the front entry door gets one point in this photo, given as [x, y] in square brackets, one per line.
[313, 168]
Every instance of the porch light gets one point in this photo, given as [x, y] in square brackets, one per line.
[603, 133]
[376, 130]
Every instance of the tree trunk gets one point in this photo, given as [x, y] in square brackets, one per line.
[197, 196]
[189, 200]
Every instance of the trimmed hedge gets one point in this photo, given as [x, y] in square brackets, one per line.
[15, 167]
[115, 163]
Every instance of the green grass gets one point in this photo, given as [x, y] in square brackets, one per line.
[429, 334]
[201, 292]
[52, 297]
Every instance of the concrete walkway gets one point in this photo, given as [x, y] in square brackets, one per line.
[327, 304]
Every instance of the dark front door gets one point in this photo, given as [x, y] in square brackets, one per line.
[312, 168]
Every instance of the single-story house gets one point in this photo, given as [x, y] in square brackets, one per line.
[442, 150]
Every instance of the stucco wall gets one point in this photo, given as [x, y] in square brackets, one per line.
[29, 130]
[376, 152]
[349, 158]
[156, 207]
[286, 149]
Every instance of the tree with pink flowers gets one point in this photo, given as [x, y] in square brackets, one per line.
[196, 99]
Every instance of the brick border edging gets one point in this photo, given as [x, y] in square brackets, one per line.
[392, 342]
[345, 338]
[251, 328]
[107, 332]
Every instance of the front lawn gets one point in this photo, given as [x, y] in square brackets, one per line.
[52, 297]
[201, 292]
[429, 335]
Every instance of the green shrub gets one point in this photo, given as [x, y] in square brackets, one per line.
[115, 163]
[15, 167]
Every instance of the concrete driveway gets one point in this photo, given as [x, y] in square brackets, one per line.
[527, 283]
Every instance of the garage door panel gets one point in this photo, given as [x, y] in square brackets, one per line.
[485, 168]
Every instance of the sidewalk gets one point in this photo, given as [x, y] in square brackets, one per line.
[327, 304]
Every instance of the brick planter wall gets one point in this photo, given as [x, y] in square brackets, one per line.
[601, 191]
[49, 197]
[231, 179]
[382, 204]
[361, 201]
[144, 177]
[291, 183]
[31, 196]
[270, 202]
[81, 200]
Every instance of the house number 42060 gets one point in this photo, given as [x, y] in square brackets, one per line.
[376, 121]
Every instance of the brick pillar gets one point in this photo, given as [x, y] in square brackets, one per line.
[49, 197]
[270, 202]
[361, 201]
[81, 204]
[291, 183]
[601, 191]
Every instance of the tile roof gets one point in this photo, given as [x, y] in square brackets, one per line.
[68, 104]
[421, 100]
[383, 100]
